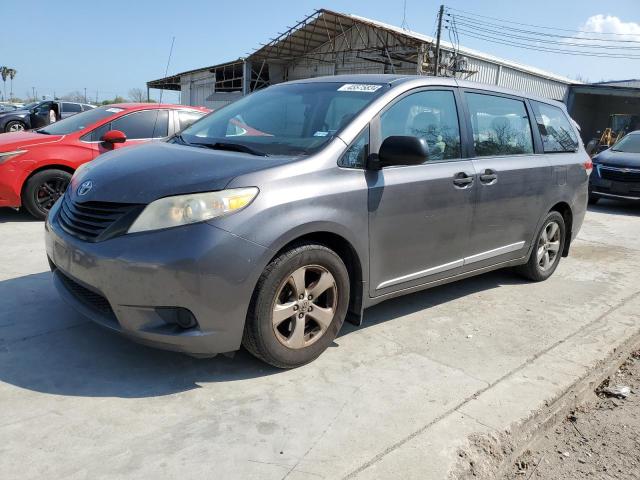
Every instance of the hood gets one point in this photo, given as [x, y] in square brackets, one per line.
[147, 172]
[18, 140]
[618, 159]
[21, 112]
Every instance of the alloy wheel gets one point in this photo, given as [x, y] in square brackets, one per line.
[49, 192]
[16, 127]
[304, 306]
[548, 246]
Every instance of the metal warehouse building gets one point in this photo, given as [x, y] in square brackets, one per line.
[332, 43]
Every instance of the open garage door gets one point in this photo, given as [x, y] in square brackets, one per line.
[592, 106]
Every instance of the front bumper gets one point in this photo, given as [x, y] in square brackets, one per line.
[608, 182]
[129, 283]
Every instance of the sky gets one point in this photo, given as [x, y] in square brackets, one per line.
[60, 46]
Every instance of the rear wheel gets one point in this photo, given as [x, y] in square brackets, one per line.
[43, 189]
[547, 249]
[14, 126]
[298, 307]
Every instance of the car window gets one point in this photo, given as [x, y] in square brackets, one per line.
[96, 134]
[188, 117]
[431, 115]
[144, 124]
[356, 154]
[71, 107]
[87, 107]
[80, 121]
[292, 119]
[629, 144]
[555, 129]
[500, 125]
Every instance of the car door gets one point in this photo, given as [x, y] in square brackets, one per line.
[68, 109]
[40, 115]
[513, 177]
[139, 127]
[420, 216]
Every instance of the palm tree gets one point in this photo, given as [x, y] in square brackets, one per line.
[12, 74]
[4, 73]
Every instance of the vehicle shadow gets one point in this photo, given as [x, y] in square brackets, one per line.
[45, 346]
[616, 207]
[11, 215]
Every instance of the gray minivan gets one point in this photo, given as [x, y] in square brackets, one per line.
[272, 220]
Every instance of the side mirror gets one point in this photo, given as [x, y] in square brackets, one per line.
[401, 150]
[114, 136]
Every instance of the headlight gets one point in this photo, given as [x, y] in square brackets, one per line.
[198, 207]
[4, 156]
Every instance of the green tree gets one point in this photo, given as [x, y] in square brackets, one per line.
[12, 74]
[4, 73]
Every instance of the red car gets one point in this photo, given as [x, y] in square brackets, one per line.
[36, 166]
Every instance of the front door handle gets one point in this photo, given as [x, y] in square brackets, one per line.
[489, 177]
[462, 180]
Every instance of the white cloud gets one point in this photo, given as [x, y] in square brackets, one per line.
[610, 24]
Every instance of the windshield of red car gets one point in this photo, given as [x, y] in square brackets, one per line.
[80, 121]
[292, 119]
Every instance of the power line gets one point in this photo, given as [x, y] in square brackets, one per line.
[546, 49]
[542, 40]
[536, 26]
[482, 23]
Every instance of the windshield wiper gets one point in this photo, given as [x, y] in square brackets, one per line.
[44, 132]
[231, 147]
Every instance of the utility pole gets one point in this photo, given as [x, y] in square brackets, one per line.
[33, 90]
[437, 64]
[85, 94]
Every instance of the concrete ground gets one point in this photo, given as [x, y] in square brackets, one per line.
[395, 398]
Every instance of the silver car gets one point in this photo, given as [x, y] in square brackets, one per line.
[272, 220]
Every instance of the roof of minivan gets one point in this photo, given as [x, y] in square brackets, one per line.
[395, 80]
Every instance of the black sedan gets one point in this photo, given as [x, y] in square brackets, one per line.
[616, 171]
[39, 114]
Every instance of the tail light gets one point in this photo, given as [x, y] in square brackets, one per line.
[588, 166]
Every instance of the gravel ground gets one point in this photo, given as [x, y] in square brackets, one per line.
[599, 440]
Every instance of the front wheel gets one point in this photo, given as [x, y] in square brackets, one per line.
[43, 190]
[299, 306]
[14, 126]
[547, 249]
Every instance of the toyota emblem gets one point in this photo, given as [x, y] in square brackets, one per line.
[85, 187]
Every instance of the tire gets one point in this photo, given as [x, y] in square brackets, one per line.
[593, 199]
[278, 340]
[14, 126]
[534, 269]
[42, 190]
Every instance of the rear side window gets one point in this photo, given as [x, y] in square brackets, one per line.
[500, 125]
[188, 117]
[555, 129]
[144, 124]
[431, 115]
[71, 107]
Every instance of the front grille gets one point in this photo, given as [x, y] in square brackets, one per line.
[95, 221]
[92, 299]
[618, 175]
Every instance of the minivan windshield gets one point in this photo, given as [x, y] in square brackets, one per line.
[629, 144]
[79, 121]
[291, 119]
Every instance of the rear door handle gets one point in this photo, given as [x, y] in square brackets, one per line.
[489, 177]
[462, 180]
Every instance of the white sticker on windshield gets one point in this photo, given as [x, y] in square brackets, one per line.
[114, 110]
[359, 87]
[320, 134]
